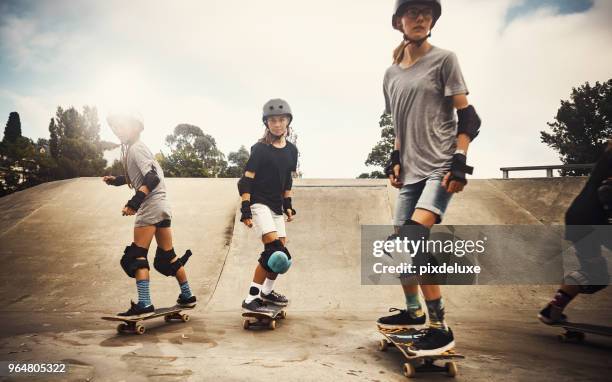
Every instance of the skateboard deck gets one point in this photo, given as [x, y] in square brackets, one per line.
[134, 325]
[402, 339]
[576, 331]
[254, 319]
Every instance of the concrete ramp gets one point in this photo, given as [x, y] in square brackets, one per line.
[325, 246]
[62, 241]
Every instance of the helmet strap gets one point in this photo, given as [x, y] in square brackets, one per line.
[418, 42]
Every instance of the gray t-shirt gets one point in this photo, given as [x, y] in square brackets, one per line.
[155, 207]
[420, 103]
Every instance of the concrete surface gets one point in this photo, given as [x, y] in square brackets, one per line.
[61, 244]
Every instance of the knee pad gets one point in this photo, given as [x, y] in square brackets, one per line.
[581, 279]
[275, 258]
[163, 262]
[130, 262]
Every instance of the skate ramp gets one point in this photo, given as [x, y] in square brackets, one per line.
[62, 241]
[324, 243]
[324, 240]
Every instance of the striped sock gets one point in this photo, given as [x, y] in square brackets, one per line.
[413, 305]
[561, 299]
[185, 291]
[144, 297]
[435, 308]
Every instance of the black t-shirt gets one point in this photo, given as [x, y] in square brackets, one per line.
[586, 209]
[272, 167]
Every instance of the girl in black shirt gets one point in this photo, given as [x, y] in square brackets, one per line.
[265, 190]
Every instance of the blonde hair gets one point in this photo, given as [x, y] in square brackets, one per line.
[398, 53]
[268, 138]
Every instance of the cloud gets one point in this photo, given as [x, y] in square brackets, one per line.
[525, 8]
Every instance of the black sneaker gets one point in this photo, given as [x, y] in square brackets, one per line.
[402, 320]
[274, 298]
[137, 311]
[434, 341]
[551, 315]
[256, 306]
[186, 302]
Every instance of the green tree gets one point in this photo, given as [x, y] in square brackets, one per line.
[75, 143]
[582, 126]
[192, 154]
[381, 152]
[237, 162]
[12, 130]
[53, 139]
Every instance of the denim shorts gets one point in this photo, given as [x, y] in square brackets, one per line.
[428, 194]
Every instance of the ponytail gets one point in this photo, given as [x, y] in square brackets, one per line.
[398, 53]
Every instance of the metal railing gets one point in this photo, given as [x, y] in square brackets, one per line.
[549, 169]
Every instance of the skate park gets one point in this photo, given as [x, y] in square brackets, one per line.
[62, 241]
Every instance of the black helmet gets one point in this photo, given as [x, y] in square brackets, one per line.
[276, 106]
[399, 4]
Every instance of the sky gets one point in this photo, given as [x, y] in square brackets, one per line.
[214, 63]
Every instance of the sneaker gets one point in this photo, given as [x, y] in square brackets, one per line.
[434, 341]
[186, 302]
[275, 298]
[137, 311]
[256, 306]
[551, 315]
[402, 320]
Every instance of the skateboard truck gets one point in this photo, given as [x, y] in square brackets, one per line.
[263, 319]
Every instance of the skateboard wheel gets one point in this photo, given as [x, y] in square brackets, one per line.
[409, 370]
[272, 325]
[246, 324]
[562, 338]
[122, 328]
[185, 317]
[283, 314]
[140, 329]
[383, 345]
[168, 318]
[451, 369]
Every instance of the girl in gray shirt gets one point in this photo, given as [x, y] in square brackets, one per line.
[153, 217]
[422, 90]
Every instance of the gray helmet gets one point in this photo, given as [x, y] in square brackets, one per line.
[276, 106]
[399, 4]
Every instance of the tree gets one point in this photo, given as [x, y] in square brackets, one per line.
[192, 154]
[382, 150]
[75, 143]
[54, 139]
[237, 162]
[582, 126]
[12, 130]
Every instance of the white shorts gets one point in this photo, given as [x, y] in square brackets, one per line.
[266, 221]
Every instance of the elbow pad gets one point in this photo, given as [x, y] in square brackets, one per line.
[151, 180]
[119, 181]
[469, 122]
[245, 185]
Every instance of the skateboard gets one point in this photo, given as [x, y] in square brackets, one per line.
[264, 319]
[134, 325]
[576, 332]
[402, 339]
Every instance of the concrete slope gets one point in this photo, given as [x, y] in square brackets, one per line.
[62, 241]
[324, 243]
